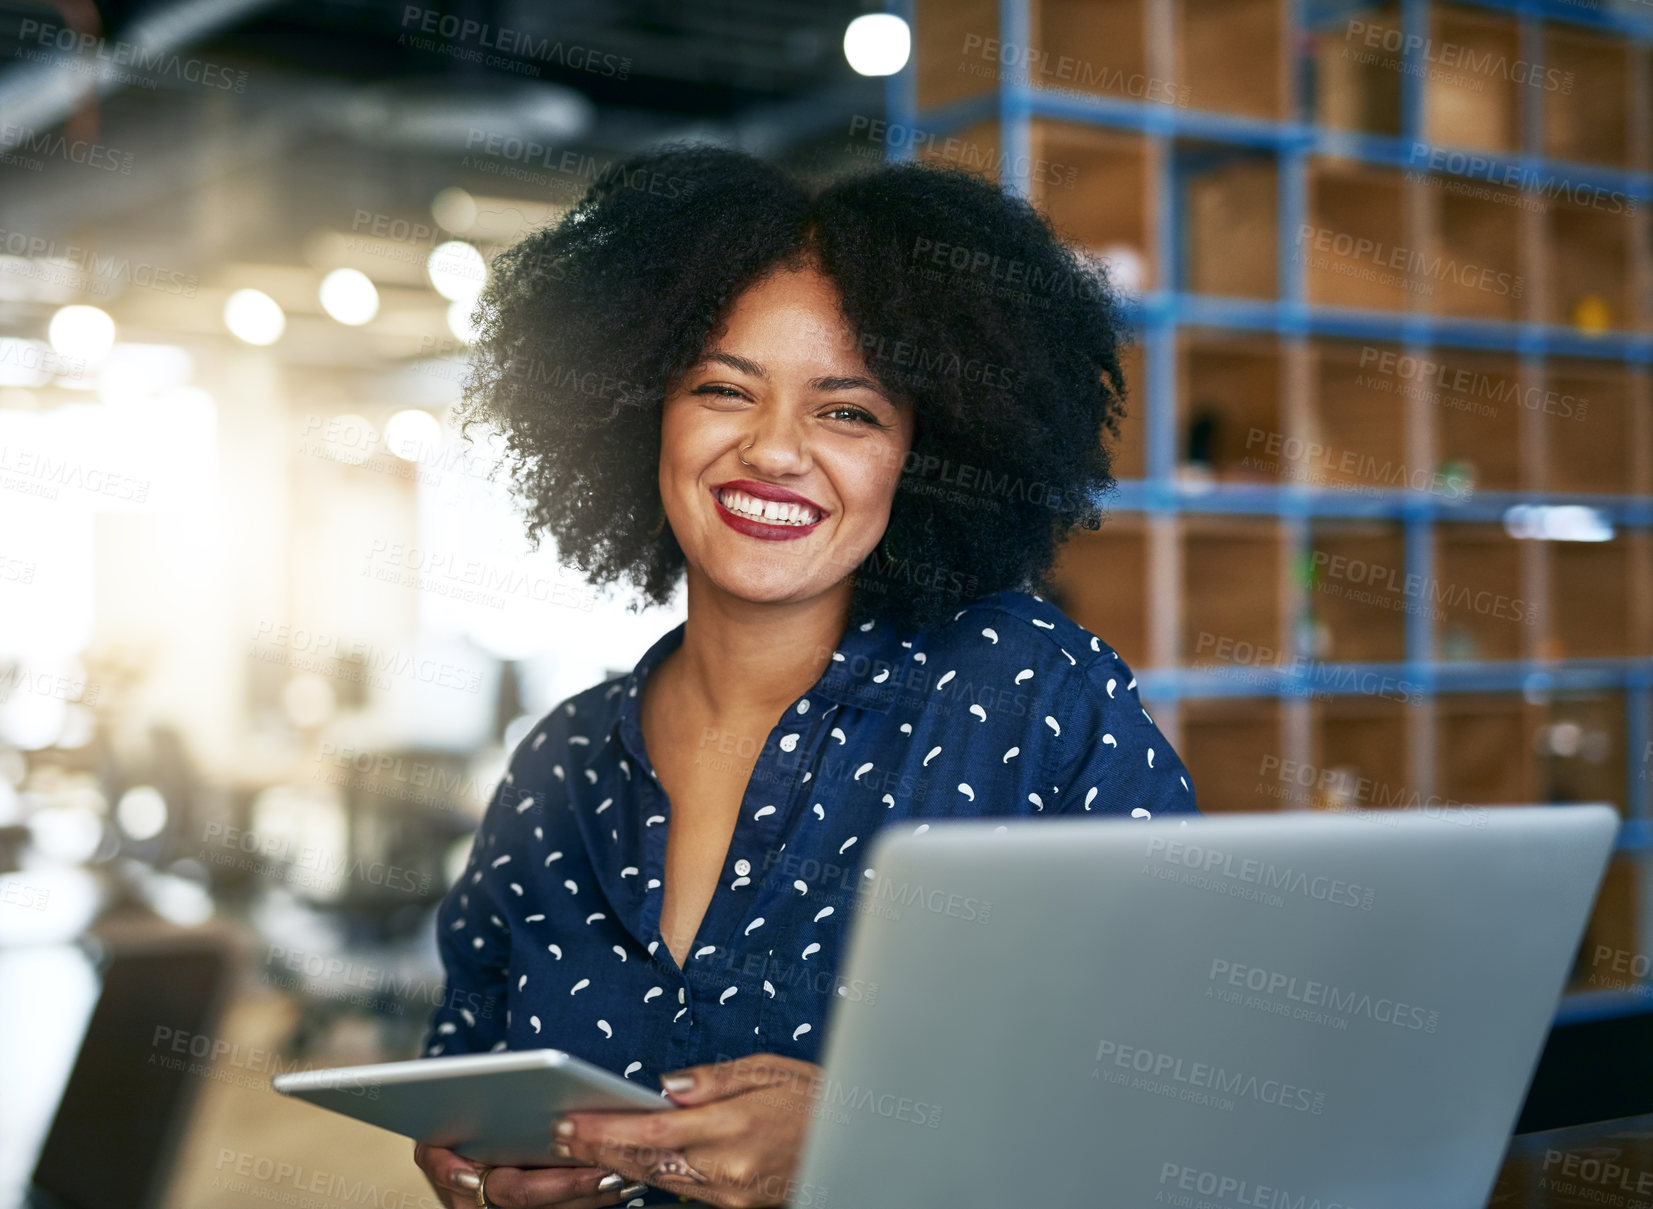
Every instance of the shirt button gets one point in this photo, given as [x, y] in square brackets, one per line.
[743, 867]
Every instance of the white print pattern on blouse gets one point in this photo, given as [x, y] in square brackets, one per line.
[789, 743]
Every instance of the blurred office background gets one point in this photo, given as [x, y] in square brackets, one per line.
[268, 627]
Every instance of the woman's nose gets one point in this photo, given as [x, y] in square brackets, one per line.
[777, 445]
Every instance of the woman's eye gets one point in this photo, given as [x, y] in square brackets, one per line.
[718, 390]
[855, 413]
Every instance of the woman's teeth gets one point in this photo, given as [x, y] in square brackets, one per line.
[772, 512]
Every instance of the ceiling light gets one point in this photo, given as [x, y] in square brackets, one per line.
[412, 434]
[454, 210]
[255, 317]
[81, 331]
[349, 296]
[457, 270]
[878, 44]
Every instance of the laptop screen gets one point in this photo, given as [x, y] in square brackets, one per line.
[112, 1141]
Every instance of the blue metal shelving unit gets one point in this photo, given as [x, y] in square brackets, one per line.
[1159, 314]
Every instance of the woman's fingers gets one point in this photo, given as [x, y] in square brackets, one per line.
[632, 1142]
[650, 1146]
[745, 1119]
[456, 1179]
[740, 1147]
[564, 1187]
[716, 1081]
[450, 1175]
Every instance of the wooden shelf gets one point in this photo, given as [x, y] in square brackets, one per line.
[1232, 56]
[1358, 412]
[1130, 451]
[1580, 749]
[1581, 758]
[1361, 738]
[1232, 231]
[1591, 252]
[1231, 575]
[1476, 269]
[1096, 187]
[1351, 416]
[1224, 744]
[1477, 595]
[1477, 410]
[1101, 581]
[1358, 597]
[1484, 750]
[1584, 415]
[974, 149]
[1616, 924]
[1229, 404]
[1354, 91]
[1105, 43]
[1474, 101]
[1590, 120]
[1356, 254]
[950, 61]
[1592, 585]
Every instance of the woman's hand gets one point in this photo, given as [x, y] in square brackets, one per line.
[736, 1141]
[456, 1181]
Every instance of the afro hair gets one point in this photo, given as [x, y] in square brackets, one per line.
[962, 300]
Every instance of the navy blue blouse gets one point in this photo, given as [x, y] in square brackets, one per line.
[551, 935]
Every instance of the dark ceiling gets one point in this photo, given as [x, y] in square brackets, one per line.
[253, 124]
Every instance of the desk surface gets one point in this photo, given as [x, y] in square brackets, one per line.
[1604, 1163]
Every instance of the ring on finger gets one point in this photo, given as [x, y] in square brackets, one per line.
[482, 1190]
[672, 1162]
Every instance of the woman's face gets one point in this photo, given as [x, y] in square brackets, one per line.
[782, 385]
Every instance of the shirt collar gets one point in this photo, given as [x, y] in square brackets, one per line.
[866, 669]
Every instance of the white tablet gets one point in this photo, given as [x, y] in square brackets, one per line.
[494, 1108]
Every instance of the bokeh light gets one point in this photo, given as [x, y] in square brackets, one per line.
[457, 270]
[82, 331]
[141, 812]
[412, 434]
[878, 44]
[254, 317]
[349, 296]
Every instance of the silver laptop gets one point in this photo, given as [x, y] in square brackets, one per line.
[1228, 1012]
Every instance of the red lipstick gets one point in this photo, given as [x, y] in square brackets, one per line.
[766, 530]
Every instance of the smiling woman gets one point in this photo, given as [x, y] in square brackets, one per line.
[858, 421]
[785, 387]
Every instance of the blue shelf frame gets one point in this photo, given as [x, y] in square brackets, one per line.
[1159, 315]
